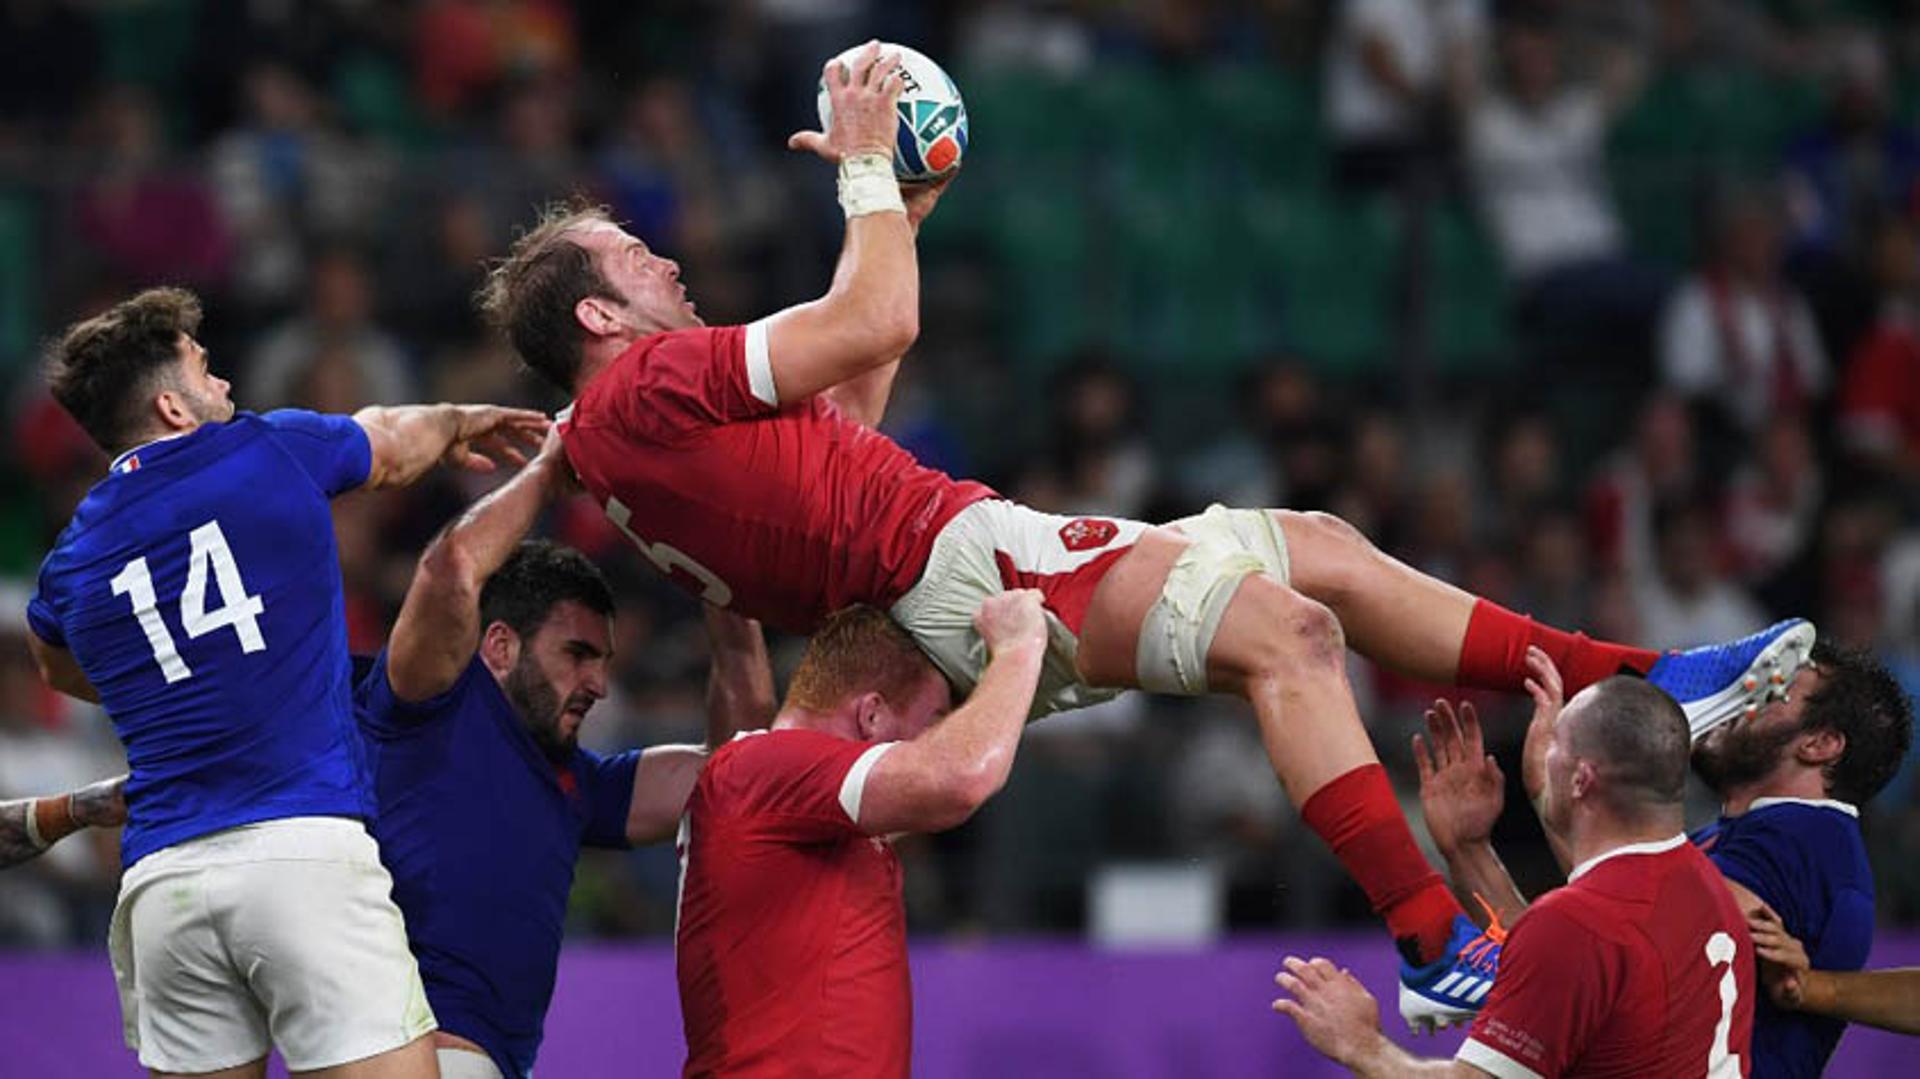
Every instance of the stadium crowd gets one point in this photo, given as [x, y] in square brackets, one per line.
[1609, 311]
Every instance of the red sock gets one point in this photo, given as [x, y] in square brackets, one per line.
[1494, 655]
[1359, 818]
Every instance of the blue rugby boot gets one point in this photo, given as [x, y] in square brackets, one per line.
[1449, 989]
[1722, 682]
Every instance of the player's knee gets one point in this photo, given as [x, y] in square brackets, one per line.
[1296, 636]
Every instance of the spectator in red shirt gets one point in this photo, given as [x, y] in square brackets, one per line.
[1880, 399]
[1642, 965]
[792, 947]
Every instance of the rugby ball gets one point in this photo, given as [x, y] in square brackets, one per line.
[932, 137]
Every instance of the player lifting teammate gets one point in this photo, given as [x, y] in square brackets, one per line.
[736, 459]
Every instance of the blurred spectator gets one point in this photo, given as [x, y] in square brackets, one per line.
[1534, 150]
[1859, 166]
[1389, 66]
[1657, 465]
[143, 219]
[333, 339]
[1880, 397]
[1688, 600]
[1098, 451]
[1525, 464]
[463, 48]
[1774, 501]
[283, 174]
[1737, 336]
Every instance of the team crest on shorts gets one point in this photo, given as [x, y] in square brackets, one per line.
[1087, 533]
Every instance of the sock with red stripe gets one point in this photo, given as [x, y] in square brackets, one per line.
[1358, 816]
[1494, 653]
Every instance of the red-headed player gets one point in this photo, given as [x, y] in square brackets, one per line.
[738, 460]
[1640, 966]
[792, 945]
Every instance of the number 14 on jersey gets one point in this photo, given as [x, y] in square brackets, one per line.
[208, 549]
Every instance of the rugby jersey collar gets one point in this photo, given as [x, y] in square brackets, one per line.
[120, 463]
[1658, 846]
[1848, 808]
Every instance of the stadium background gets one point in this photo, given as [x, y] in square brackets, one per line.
[1175, 269]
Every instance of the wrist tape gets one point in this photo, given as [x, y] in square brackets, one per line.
[867, 186]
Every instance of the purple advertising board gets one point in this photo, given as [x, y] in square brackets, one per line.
[1005, 1008]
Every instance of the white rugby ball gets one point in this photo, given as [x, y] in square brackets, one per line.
[932, 137]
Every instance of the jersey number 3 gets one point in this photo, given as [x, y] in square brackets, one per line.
[668, 558]
[237, 609]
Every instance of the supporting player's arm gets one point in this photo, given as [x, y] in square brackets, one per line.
[938, 780]
[439, 625]
[739, 697]
[871, 313]
[1340, 1018]
[1549, 697]
[408, 440]
[59, 669]
[31, 825]
[1461, 794]
[1888, 999]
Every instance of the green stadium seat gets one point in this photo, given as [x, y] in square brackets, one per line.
[1330, 262]
[1267, 121]
[1467, 286]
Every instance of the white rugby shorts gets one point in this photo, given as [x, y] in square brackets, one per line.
[994, 545]
[466, 1064]
[282, 933]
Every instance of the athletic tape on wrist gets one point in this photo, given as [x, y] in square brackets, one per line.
[33, 826]
[867, 186]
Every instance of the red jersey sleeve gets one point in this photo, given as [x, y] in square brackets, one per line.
[804, 785]
[687, 380]
[1557, 984]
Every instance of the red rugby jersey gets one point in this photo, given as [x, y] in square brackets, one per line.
[785, 514]
[791, 950]
[1640, 966]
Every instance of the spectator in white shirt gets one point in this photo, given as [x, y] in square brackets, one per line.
[1390, 65]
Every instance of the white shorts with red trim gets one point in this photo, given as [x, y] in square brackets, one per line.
[995, 545]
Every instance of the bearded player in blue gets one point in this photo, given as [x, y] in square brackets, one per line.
[472, 715]
[197, 596]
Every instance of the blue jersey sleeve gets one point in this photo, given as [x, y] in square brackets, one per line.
[332, 449]
[44, 622]
[383, 713]
[606, 783]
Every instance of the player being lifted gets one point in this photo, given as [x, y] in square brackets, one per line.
[737, 459]
[197, 596]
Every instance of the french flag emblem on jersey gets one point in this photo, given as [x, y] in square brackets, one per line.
[131, 463]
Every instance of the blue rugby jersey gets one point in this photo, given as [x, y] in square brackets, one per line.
[198, 587]
[481, 831]
[1807, 860]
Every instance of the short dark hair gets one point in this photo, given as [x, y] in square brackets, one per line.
[529, 296]
[103, 369]
[537, 577]
[1859, 699]
[1639, 737]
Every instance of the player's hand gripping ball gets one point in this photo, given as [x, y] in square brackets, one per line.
[932, 137]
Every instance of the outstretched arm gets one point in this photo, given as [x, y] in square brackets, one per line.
[1549, 697]
[31, 825]
[739, 697]
[1461, 794]
[407, 440]
[871, 314]
[864, 396]
[1340, 1018]
[938, 780]
[439, 624]
[1888, 999]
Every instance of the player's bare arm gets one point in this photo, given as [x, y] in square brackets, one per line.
[439, 624]
[1888, 999]
[863, 398]
[739, 697]
[60, 670]
[1461, 794]
[1549, 694]
[871, 313]
[408, 440]
[938, 780]
[1340, 1018]
[31, 825]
